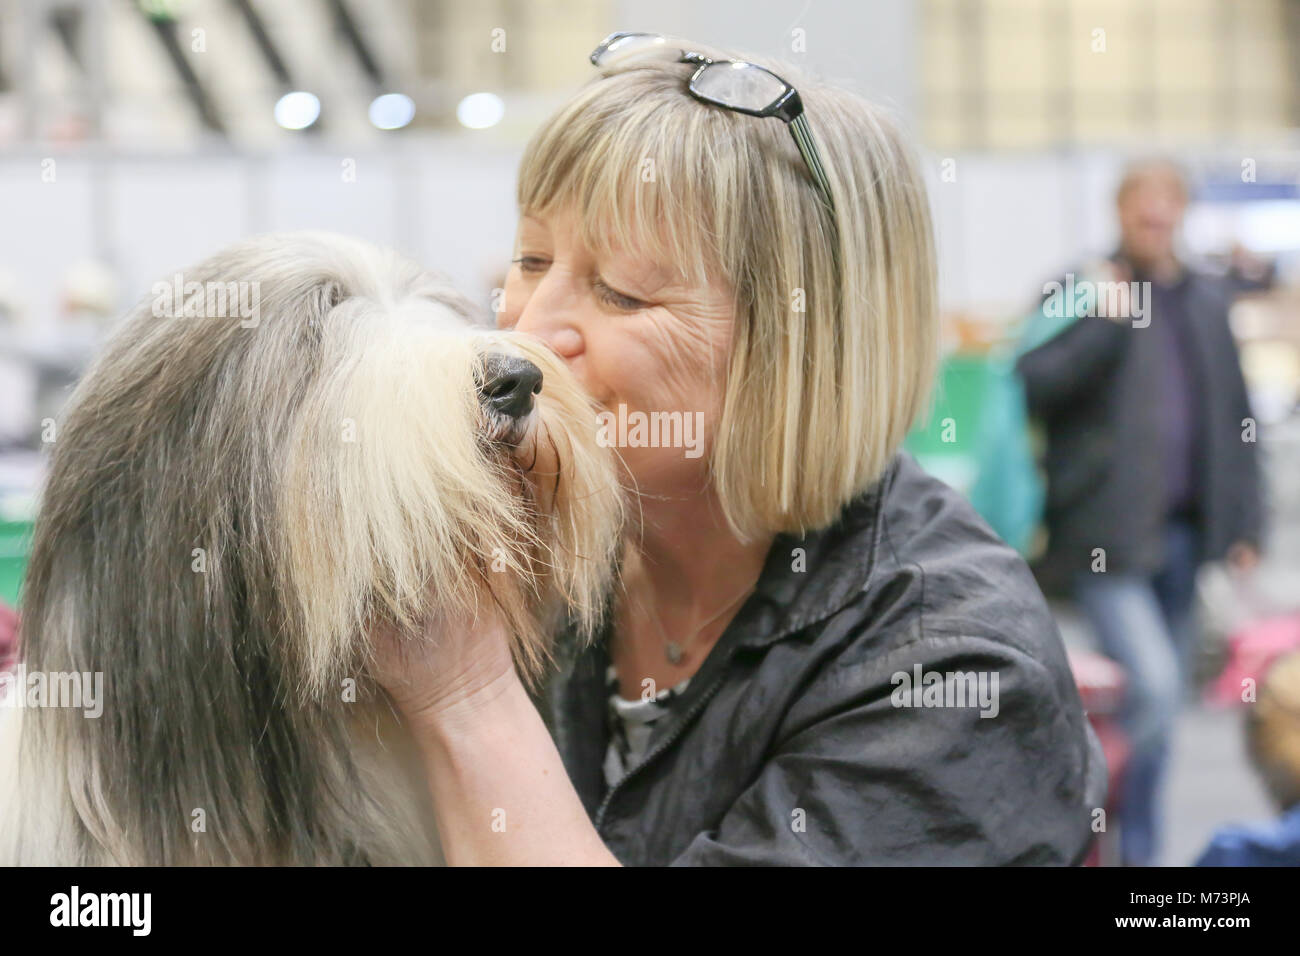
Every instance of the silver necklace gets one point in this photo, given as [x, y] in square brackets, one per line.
[675, 651]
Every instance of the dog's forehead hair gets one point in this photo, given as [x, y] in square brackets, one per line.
[437, 313]
[496, 341]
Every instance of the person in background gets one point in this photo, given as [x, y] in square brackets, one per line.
[1273, 739]
[1150, 463]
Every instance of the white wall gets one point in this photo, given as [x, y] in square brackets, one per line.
[1005, 223]
[868, 45]
[451, 207]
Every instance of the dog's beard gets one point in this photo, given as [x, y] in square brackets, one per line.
[526, 454]
[572, 492]
[531, 451]
[506, 430]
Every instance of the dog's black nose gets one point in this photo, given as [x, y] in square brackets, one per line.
[509, 384]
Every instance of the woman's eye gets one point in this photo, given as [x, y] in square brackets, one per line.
[617, 300]
[533, 264]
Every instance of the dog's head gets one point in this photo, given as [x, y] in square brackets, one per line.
[300, 437]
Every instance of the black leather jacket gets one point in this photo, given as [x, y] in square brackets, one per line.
[789, 747]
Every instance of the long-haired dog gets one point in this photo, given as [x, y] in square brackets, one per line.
[301, 438]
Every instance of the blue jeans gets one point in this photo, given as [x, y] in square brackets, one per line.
[1143, 624]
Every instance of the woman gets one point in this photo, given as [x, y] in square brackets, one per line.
[787, 583]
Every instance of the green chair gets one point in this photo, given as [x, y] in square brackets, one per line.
[15, 542]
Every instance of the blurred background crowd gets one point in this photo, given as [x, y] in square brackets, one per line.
[140, 135]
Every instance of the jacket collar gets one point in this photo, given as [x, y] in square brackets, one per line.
[809, 577]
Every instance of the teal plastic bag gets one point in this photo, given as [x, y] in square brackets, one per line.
[980, 440]
[1008, 491]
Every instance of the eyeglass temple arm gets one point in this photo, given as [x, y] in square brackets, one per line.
[803, 139]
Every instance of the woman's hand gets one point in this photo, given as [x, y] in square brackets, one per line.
[1111, 284]
[1243, 557]
[453, 665]
[499, 787]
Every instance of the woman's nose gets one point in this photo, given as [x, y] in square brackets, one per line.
[564, 340]
[509, 384]
[548, 315]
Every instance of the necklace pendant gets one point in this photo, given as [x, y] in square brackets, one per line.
[673, 651]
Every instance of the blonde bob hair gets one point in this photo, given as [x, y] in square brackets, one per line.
[834, 346]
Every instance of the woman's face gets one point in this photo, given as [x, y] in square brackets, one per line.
[640, 339]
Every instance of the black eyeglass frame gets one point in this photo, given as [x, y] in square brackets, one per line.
[787, 107]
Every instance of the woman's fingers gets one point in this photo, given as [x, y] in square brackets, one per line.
[452, 658]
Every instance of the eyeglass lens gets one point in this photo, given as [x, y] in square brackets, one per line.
[741, 85]
[636, 44]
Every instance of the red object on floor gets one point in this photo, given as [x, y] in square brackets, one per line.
[1101, 685]
[8, 637]
[1251, 651]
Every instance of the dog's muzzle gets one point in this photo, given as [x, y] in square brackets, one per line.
[507, 386]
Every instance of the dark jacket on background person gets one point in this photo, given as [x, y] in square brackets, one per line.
[1099, 388]
[789, 745]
